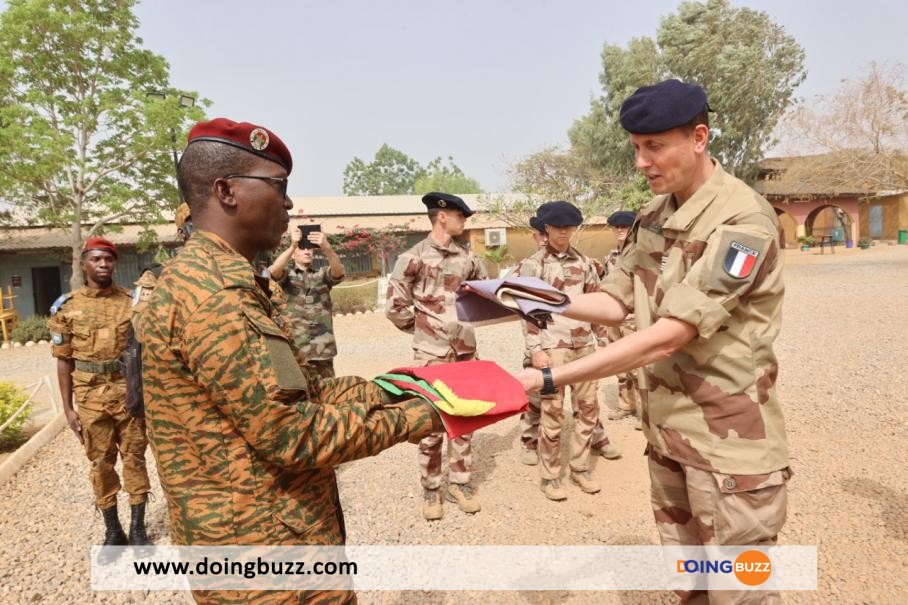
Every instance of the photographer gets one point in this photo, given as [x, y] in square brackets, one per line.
[308, 293]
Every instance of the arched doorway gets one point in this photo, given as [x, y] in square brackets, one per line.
[830, 220]
[788, 227]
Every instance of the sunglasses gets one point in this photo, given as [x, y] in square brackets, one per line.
[280, 182]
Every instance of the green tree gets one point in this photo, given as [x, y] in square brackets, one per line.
[391, 172]
[748, 64]
[83, 144]
[448, 178]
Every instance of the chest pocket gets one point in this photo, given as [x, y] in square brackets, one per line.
[278, 362]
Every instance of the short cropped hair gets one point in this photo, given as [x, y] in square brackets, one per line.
[204, 162]
[700, 118]
[433, 214]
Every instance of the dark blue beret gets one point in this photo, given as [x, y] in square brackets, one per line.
[446, 201]
[538, 226]
[622, 218]
[661, 107]
[559, 214]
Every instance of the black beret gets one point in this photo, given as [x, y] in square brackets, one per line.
[559, 214]
[622, 218]
[538, 226]
[446, 201]
[661, 107]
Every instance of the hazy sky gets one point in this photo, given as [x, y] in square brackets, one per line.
[484, 81]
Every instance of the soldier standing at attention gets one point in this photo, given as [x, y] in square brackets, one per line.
[245, 445]
[702, 274]
[308, 292]
[563, 340]
[421, 302]
[88, 332]
[621, 222]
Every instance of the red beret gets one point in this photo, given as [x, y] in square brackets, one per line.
[99, 243]
[249, 137]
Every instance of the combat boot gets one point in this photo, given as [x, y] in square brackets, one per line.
[137, 535]
[114, 538]
[463, 495]
[431, 505]
[609, 452]
[553, 490]
[529, 457]
[584, 481]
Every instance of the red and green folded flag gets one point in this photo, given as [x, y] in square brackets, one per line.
[468, 395]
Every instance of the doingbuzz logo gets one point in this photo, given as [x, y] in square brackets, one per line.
[751, 567]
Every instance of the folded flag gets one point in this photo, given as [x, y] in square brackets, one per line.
[468, 395]
[490, 301]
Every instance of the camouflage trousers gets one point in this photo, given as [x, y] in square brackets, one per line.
[106, 432]
[627, 382]
[694, 506]
[586, 416]
[321, 367]
[529, 421]
[460, 454]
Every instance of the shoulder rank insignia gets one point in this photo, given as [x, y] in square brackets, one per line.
[740, 260]
[59, 302]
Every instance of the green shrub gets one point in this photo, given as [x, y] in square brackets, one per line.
[11, 398]
[34, 328]
[362, 297]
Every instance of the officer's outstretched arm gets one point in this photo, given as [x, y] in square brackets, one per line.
[245, 362]
[596, 308]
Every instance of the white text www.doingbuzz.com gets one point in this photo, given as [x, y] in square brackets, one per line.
[247, 569]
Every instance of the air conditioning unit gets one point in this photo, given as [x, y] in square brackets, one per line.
[496, 237]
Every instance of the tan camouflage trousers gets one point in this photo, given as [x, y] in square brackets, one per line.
[627, 382]
[694, 506]
[460, 454]
[529, 422]
[109, 431]
[321, 367]
[586, 416]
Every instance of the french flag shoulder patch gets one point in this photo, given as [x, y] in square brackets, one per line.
[740, 260]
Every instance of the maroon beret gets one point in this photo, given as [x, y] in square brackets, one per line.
[249, 137]
[99, 243]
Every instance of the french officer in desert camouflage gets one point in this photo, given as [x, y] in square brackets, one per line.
[246, 443]
[702, 273]
[88, 332]
[563, 340]
[421, 302]
[308, 306]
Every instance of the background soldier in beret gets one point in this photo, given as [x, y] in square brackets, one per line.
[308, 305]
[88, 333]
[529, 420]
[701, 271]
[421, 302]
[564, 340]
[245, 442]
[621, 222]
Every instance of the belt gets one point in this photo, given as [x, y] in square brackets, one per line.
[98, 367]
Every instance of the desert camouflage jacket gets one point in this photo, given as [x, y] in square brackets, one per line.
[310, 310]
[245, 442]
[713, 263]
[572, 273]
[421, 296]
[91, 326]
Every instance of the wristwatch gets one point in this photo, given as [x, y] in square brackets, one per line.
[548, 383]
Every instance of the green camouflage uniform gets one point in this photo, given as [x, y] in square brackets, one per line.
[310, 311]
[718, 452]
[564, 340]
[421, 302]
[246, 443]
[91, 328]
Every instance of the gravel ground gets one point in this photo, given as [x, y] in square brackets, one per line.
[842, 357]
